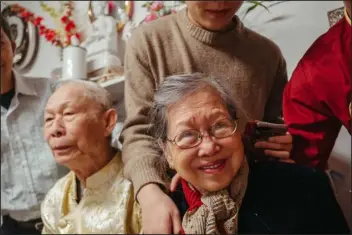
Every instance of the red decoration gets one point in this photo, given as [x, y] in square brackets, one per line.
[51, 35]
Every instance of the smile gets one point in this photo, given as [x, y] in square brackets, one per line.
[215, 167]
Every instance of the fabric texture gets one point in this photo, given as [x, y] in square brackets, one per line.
[107, 205]
[243, 61]
[28, 168]
[283, 198]
[215, 212]
[317, 98]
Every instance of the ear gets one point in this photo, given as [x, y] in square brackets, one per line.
[110, 118]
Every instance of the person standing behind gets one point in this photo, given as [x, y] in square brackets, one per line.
[317, 99]
[27, 173]
[205, 37]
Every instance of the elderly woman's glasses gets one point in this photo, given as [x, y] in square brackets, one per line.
[191, 138]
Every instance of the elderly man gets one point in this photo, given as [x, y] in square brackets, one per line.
[94, 197]
[27, 171]
[205, 37]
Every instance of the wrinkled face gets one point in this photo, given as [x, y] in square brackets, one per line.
[74, 125]
[212, 164]
[6, 55]
[213, 15]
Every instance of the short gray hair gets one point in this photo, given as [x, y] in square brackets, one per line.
[92, 91]
[175, 88]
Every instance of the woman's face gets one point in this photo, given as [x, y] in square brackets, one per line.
[211, 165]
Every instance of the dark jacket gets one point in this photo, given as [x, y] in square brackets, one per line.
[286, 199]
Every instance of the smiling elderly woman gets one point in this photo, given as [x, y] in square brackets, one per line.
[94, 197]
[195, 123]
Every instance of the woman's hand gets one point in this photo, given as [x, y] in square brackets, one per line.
[159, 213]
[278, 147]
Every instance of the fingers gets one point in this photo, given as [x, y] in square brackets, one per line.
[176, 222]
[277, 154]
[270, 145]
[282, 139]
[174, 182]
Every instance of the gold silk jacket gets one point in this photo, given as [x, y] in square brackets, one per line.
[107, 204]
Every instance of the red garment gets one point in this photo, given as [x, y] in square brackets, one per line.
[192, 198]
[317, 97]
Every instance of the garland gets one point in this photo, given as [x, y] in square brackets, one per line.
[60, 37]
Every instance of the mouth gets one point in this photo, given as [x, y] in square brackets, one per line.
[61, 149]
[214, 167]
[218, 13]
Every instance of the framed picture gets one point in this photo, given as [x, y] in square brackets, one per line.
[26, 36]
[335, 15]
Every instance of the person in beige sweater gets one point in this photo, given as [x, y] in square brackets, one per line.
[205, 37]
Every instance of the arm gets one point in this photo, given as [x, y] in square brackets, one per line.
[309, 121]
[140, 153]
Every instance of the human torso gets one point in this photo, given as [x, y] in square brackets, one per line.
[246, 65]
[28, 169]
[106, 205]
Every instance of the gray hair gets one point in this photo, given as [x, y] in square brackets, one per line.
[92, 91]
[175, 88]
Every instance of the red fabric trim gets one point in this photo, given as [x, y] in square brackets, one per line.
[192, 196]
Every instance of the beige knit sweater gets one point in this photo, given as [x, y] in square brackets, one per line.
[249, 64]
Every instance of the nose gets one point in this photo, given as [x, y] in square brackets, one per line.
[208, 147]
[58, 129]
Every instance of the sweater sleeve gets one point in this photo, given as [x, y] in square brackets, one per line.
[140, 153]
[309, 121]
[273, 107]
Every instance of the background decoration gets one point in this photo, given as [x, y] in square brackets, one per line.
[335, 15]
[25, 36]
[122, 11]
[63, 34]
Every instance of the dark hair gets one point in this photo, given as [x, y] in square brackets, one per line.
[6, 27]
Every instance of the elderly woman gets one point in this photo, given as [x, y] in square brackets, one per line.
[195, 123]
[94, 197]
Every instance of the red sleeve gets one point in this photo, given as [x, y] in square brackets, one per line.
[309, 119]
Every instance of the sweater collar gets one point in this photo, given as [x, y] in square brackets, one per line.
[209, 37]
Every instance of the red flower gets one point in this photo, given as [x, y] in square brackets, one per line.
[70, 25]
[157, 6]
[152, 16]
[37, 21]
[64, 19]
[78, 36]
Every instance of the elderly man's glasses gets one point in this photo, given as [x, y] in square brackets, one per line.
[191, 138]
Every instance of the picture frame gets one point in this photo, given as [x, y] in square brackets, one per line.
[26, 37]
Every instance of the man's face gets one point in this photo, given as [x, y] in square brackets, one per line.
[74, 125]
[213, 15]
[7, 54]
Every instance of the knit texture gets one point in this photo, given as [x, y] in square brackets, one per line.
[248, 64]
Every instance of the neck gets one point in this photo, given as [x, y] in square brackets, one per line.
[92, 164]
[7, 82]
[227, 27]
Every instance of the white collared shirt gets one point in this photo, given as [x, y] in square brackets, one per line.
[28, 168]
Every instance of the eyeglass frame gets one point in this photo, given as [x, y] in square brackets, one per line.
[201, 136]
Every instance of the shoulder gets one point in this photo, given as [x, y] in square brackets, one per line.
[260, 45]
[156, 30]
[289, 174]
[50, 207]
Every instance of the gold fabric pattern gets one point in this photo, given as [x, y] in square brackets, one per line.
[107, 205]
